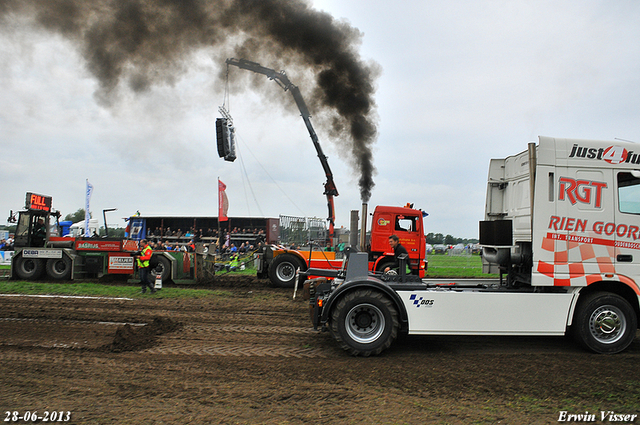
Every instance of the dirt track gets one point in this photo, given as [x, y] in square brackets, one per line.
[254, 358]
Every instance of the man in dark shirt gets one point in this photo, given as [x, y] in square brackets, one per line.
[39, 233]
[398, 249]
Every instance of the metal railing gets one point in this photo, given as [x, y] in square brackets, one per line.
[300, 230]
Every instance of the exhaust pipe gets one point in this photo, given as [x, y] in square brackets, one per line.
[353, 233]
[363, 231]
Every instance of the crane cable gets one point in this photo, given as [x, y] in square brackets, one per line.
[269, 175]
[225, 98]
[226, 101]
[243, 175]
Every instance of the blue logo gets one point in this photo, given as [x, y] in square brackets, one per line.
[420, 301]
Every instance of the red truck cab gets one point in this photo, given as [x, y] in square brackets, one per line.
[405, 222]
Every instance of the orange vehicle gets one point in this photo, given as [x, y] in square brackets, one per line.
[280, 264]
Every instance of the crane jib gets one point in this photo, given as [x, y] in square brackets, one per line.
[284, 82]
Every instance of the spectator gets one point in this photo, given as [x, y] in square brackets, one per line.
[143, 267]
[233, 264]
[398, 249]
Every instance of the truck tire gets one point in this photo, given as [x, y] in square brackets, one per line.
[160, 266]
[282, 270]
[605, 323]
[384, 264]
[364, 322]
[59, 268]
[29, 268]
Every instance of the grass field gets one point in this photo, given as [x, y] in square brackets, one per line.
[441, 265]
[101, 290]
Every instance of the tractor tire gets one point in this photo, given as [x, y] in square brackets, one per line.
[29, 268]
[364, 322]
[604, 323]
[160, 266]
[282, 270]
[59, 268]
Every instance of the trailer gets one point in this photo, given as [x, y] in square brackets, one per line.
[562, 223]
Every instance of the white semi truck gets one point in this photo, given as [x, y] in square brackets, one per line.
[562, 227]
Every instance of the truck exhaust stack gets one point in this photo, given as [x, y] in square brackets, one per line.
[363, 230]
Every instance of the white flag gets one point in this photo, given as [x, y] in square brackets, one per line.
[87, 216]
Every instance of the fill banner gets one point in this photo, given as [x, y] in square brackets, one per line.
[223, 202]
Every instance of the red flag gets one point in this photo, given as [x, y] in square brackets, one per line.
[223, 202]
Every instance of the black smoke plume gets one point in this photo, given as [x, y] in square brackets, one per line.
[148, 42]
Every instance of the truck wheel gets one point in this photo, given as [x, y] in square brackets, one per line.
[29, 268]
[605, 323]
[384, 264]
[282, 270]
[59, 268]
[364, 322]
[160, 267]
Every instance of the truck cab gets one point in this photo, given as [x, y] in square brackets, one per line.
[405, 222]
[36, 223]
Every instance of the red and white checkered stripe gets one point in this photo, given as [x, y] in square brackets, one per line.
[592, 260]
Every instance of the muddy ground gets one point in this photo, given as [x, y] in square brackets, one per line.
[253, 357]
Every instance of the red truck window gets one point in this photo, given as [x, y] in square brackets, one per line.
[406, 224]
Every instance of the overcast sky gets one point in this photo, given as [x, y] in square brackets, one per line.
[461, 82]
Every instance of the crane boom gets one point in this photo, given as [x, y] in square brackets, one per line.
[283, 81]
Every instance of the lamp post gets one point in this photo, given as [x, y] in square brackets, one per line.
[104, 216]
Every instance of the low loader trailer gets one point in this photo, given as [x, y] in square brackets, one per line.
[561, 228]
